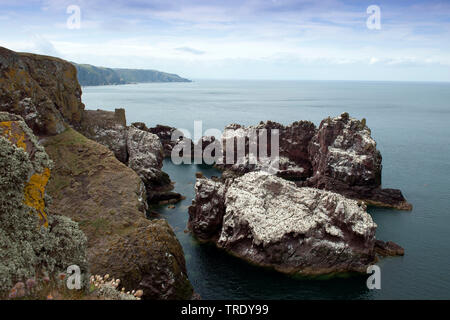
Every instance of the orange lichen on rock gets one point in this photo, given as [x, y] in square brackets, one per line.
[34, 191]
[9, 130]
[35, 194]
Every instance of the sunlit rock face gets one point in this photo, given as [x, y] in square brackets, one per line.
[345, 159]
[271, 222]
[339, 156]
[43, 90]
[291, 160]
[145, 155]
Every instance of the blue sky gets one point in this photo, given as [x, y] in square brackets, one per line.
[255, 39]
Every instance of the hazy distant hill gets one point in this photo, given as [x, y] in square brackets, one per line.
[89, 75]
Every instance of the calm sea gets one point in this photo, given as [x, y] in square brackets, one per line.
[409, 121]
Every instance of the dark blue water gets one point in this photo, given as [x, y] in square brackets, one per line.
[409, 121]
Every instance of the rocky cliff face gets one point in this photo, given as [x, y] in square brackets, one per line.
[133, 145]
[108, 200]
[102, 195]
[339, 156]
[33, 242]
[43, 90]
[107, 128]
[345, 159]
[271, 222]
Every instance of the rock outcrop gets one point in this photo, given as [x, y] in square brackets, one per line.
[46, 103]
[165, 134]
[345, 159]
[107, 128]
[134, 146]
[339, 156]
[293, 160]
[108, 200]
[271, 222]
[105, 198]
[32, 241]
[145, 158]
[388, 248]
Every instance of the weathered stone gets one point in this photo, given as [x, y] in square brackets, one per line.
[345, 159]
[45, 102]
[33, 243]
[107, 128]
[165, 134]
[150, 258]
[145, 155]
[271, 222]
[293, 157]
[340, 156]
[388, 248]
[108, 200]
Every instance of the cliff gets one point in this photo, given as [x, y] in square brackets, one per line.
[43, 90]
[105, 198]
[33, 242]
[89, 75]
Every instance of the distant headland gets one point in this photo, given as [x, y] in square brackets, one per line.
[89, 75]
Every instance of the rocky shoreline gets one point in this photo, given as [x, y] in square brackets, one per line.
[99, 176]
[105, 199]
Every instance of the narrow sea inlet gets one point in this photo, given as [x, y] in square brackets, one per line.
[409, 122]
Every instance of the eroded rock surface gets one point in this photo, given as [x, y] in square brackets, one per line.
[33, 242]
[345, 159]
[271, 222]
[145, 158]
[339, 156]
[46, 103]
[108, 200]
[109, 129]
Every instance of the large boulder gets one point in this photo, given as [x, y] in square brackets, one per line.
[32, 242]
[47, 103]
[108, 200]
[271, 222]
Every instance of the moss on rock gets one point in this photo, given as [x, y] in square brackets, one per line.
[27, 246]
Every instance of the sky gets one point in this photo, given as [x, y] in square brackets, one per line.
[253, 39]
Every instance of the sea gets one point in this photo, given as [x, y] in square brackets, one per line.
[410, 121]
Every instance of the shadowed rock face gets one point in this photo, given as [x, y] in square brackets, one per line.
[339, 156]
[165, 134]
[271, 222]
[345, 159]
[294, 162]
[45, 102]
[88, 184]
[108, 200]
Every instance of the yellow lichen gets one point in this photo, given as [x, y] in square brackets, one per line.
[35, 189]
[18, 138]
[35, 194]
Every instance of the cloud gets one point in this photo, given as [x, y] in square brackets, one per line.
[43, 46]
[190, 50]
[217, 33]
